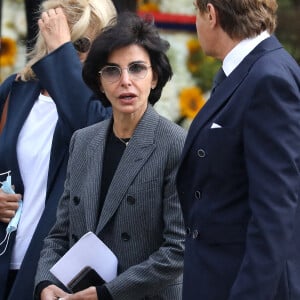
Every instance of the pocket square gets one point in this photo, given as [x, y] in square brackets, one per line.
[215, 125]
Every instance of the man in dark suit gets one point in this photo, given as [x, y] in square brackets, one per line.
[239, 175]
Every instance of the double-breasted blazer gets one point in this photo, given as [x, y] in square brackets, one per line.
[141, 219]
[239, 182]
[60, 74]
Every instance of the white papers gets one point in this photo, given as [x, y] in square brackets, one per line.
[88, 251]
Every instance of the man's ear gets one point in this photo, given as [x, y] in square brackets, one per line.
[212, 14]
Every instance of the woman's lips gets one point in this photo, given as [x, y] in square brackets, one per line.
[127, 96]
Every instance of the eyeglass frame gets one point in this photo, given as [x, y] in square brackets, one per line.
[126, 68]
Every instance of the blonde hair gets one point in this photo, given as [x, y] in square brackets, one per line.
[82, 16]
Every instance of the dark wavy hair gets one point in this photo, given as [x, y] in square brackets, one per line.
[128, 29]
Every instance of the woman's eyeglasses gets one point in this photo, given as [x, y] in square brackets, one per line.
[82, 45]
[113, 73]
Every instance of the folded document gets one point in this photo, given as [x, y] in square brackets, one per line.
[89, 252]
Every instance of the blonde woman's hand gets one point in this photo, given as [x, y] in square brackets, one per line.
[8, 206]
[54, 28]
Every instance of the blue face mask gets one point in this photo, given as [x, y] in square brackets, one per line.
[13, 224]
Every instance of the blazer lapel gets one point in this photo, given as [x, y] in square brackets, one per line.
[22, 98]
[56, 157]
[94, 154]
[224, 91]
[134, 157]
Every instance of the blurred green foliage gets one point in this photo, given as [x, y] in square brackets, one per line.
[288, 28]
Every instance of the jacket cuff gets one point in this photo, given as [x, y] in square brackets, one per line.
[39, 288]
[103, 293]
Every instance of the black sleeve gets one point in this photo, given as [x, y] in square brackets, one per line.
[39, 288]
[103, 293]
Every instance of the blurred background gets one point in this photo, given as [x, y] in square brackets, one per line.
[190, 86]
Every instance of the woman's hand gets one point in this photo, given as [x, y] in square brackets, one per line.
[54, 28]
[52, 292]
[8, 206]
[87, 294]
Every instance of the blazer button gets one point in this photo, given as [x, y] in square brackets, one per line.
[201, 153]
[74, 238]
[188, 231]
[130, 200]
[195, 234]
[76, 200]
[125, 236]
[198, 195]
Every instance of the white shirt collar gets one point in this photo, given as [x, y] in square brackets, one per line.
[240, 51]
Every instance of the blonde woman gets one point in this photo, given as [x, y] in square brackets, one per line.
[48, 101]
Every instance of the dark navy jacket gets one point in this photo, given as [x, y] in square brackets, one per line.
[239, 184]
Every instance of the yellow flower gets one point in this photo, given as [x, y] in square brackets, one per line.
[8, 50]
[201, 66]
[149, 7]
[191, 100]
[193, 45]
[192, 66]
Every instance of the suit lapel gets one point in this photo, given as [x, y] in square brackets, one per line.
[22, 98]
[214, 104]
[56, 156]
[94, 154]
[134, 157]
[224, 91]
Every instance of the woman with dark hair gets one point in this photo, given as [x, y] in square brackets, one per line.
[133, 35]
[121, 173]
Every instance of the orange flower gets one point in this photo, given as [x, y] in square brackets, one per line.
[149, 7]
[193, 45]
[192, 66]
[191, 100]
[8, 51]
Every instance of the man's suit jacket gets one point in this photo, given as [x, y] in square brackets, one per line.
[60, 74]
[141, 220]
[238, 184]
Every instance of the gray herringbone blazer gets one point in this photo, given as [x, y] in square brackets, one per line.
[141, 220]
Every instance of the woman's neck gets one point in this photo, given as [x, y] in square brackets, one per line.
[45, 93]
[123, 129]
